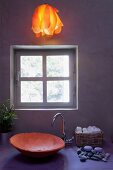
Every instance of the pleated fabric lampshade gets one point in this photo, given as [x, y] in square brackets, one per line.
[45, 21]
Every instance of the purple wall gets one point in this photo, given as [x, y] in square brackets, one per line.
[88, 24]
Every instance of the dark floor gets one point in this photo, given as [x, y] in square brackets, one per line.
[66, 159]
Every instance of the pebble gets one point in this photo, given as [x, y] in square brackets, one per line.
[90, 154]
[94, 158]
[107, 155]
[93, 151]
[79, 151]
[88, 148]
[83, 158]
[98, 149]
[99, 157]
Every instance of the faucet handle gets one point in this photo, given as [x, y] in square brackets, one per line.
[64, 136]
[70, 140]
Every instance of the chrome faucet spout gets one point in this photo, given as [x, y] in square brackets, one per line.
[55, 117]
[64, 137]
[63, 124]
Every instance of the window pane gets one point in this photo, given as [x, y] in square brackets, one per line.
[31, 66]
[58, 91]
[31, 91]
[58, 66]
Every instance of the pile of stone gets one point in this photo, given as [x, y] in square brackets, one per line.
[88, 152]
[88, 130]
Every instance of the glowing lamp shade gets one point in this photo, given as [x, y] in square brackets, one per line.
[45, 21]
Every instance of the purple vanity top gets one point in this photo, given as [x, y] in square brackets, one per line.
[66, 159]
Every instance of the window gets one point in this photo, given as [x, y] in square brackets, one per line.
[44, 77]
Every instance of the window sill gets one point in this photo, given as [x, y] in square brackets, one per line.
[49, 109]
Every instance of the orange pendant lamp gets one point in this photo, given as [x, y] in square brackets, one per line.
[45, 21]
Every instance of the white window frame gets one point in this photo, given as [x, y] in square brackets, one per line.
[17, 50]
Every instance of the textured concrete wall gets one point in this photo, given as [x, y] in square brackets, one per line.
[88, 24]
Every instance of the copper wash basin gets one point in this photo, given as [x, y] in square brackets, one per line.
[37, 144]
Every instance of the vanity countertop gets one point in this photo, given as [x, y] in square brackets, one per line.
[65, 159]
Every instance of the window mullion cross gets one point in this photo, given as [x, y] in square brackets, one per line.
[44, 80]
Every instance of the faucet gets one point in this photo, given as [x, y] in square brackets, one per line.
[63, 127]
[63, 124]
